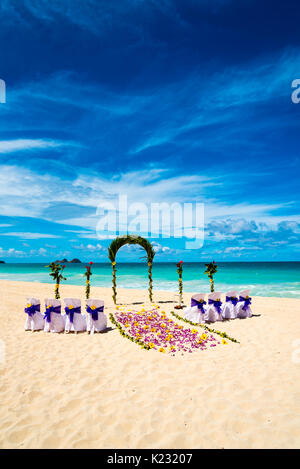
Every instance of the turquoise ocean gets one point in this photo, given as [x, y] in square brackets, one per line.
[263, 278]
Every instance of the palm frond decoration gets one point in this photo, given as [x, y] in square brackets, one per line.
[56, 271]
[119, 242]
[211, 269]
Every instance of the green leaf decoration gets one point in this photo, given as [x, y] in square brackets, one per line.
[56, 271]
[121, 241]
[211, 270]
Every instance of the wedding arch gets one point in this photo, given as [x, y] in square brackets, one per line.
[114, 247]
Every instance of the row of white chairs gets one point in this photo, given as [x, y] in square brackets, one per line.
[235, 306]
[52, 320]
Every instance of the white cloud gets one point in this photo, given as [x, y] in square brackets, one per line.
[242, 248]
[11, 252]
[38, 252]
[98, 247]
[29, 235]
[159, 248]
[9, 146]
[25, 193]
[94, 250]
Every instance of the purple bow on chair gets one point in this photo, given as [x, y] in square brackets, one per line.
[94, 312]
[51, 309]
[200, 304]
[233, 299]
[217, 304]
[31, 310]
[71, 311]
[247, 302]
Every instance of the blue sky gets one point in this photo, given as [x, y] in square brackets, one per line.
[164, 101]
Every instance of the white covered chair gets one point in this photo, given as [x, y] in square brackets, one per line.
[35, 319]
[214, 308]
[96, 319]
[74, 320]
[195, 313]
[243, 309]
[54, 321]
[229, 308]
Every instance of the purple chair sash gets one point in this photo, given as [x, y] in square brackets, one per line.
[199, 304]
[217, 304]
[72, 311]
[94, 312]
[247, 302]
[32, 310]
[52, 309]
[233, 299]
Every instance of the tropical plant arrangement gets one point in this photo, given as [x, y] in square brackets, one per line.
[158, 332]
[179, 271]
[88, 274]
[56, 271]
[213, 331]
[114, 247]
[211, 269]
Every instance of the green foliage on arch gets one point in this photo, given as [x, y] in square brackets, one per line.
[120, 241]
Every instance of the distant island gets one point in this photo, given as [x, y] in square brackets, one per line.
[65, 261]
[2, 262]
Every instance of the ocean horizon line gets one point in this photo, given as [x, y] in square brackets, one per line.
[159, 262]
[270, 278]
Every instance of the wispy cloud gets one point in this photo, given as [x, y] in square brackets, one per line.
[9, 146]
[26, 193]
[96, 16]
[243, 225]
[29, 235]
[222, 100]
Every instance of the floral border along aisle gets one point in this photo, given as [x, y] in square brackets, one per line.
[153, 330]
[213, 331]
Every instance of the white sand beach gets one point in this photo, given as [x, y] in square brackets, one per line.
[103, 391]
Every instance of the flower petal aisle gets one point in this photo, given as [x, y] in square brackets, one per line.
[156, 331]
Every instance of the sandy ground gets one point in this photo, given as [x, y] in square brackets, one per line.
[102, 391]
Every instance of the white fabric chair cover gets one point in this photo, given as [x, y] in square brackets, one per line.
[96, 325]
[57, 323]
[212, 314]
[194, 313]
[35, 322]
[240, 312]
[79, 321]
[229, 308]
